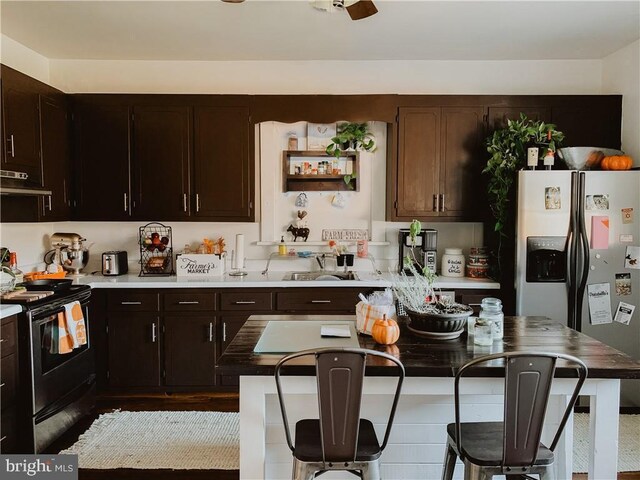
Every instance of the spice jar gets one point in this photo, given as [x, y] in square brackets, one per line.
[452, 263]
[491, 309]
[483, 332]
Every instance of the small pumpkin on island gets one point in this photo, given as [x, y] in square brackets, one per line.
[385, 331]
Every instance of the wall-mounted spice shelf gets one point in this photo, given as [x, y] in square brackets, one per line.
[307, 171]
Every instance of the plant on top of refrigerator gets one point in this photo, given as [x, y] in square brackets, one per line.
[508, 149]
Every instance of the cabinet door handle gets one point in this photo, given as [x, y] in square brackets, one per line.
[320, 301]
[49, 202]
[190, 302]
[244, 302]
[442, 202]
[130, 303]
[184, 202]
[3, 438]
[224, 331]
[211, 331]
[2, 340]
[125, 202]
[197, 202]
[13, 145]
[2, 384]
[435, 205]
[153, 333]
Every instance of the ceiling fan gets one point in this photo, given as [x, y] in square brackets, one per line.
[357, 10]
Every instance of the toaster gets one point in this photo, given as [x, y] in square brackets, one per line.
[115, 263]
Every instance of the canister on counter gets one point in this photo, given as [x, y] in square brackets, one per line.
[362, 248]
[452, 263]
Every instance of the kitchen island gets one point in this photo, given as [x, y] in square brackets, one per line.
[416, 446]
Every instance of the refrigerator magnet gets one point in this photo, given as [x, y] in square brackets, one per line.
[631, 257]
[627, 215]
[626, 238]
[623, 284]
[624, 312]
[597, 202]
[552, 198]
[599, 232]
[599, 303]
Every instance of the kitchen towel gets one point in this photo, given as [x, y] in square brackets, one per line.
[71, 328]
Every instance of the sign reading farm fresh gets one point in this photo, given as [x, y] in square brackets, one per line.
[345, 234]
[199, 265]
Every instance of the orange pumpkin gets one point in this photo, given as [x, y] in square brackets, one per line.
[385, 331]
[616, 162]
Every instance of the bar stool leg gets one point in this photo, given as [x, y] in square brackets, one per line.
[449, 463]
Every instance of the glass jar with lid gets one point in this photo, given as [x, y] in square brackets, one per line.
[483, 332]
[491, 309]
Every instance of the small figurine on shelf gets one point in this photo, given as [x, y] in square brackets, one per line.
[301, 229]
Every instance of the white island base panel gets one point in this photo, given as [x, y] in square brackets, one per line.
[417, 443]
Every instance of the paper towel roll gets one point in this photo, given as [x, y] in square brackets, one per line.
[238, 259]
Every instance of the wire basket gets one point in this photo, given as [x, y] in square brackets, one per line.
[156, 250]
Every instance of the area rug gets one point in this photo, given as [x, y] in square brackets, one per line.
[160, 440]
[628, 443]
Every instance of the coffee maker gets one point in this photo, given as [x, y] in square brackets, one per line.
[423, 253]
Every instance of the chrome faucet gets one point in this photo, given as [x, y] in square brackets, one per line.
[322, 260]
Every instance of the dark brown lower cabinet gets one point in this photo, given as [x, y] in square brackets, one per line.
[229, 325]
[134, 352]
[189, 350]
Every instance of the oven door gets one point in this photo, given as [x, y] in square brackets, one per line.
[54, 374]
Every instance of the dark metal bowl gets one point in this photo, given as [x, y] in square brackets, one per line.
[438, 323]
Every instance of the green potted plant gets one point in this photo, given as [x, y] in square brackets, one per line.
[508, 149]
[351, 136]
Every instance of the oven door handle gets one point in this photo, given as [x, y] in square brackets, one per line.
[46, 317]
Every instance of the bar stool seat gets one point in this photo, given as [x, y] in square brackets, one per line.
[308, 447]
[481, 443]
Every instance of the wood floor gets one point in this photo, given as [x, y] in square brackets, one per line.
[222, 402]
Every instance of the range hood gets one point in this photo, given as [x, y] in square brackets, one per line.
[15, 183]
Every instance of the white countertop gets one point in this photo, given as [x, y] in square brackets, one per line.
[254, 280]
[272, 279]
[8, 310]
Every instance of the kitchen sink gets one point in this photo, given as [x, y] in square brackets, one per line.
[328, 276]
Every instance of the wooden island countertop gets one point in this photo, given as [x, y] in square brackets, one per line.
[423, 357]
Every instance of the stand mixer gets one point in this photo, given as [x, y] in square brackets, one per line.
[69, 252]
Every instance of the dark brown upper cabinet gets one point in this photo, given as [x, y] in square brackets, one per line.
[102, 161]
[21, 125]
[56, 161]
[223, 167]
[161, 162]
[498, 116]
[439, 154]
[596, 124]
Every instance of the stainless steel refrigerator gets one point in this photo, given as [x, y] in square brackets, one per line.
[577, 236]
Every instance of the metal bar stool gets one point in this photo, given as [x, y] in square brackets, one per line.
[339, 439]
[511, 447]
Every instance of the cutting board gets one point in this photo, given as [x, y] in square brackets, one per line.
[293, 336]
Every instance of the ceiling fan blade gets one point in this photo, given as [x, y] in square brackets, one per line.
[361, 9]
[233, 1]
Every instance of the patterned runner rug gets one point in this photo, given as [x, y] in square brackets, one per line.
[628, 443]
[157, 440]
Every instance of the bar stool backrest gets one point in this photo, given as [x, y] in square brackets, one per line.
[528, 379]
[340, 377]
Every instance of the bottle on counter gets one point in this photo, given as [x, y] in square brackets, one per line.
[491, 309]
[483, 332]
[282, 248]
[13, 266]
[187, 248]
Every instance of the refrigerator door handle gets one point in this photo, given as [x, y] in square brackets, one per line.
[572, 253]
[584, 244]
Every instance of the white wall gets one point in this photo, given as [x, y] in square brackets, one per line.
[23, 59]
[621, 74]
[282, 77]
